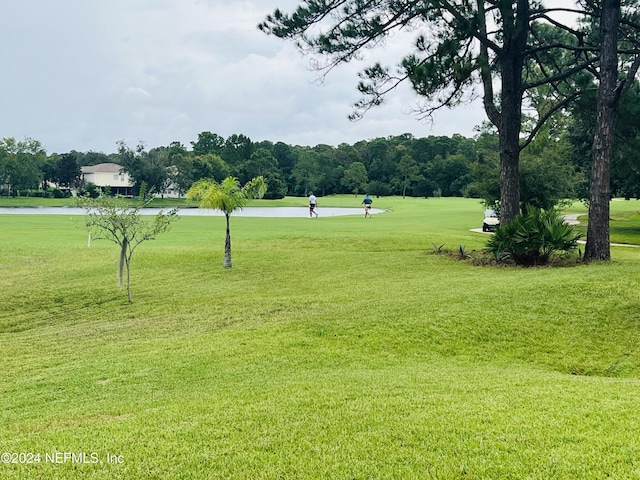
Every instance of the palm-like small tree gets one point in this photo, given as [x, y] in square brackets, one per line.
[227, 196]
[531, 238]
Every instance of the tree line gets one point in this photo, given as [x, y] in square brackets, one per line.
[553, 167]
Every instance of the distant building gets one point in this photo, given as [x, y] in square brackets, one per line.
[109, 175]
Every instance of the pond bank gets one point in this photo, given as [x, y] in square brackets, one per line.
[275, 212]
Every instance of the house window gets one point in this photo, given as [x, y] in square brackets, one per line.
[115, 177]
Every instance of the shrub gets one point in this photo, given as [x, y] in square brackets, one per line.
[89, 190]
[33, 193]
[531, 238]
[56, 193]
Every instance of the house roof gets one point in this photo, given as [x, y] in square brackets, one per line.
[102, 167]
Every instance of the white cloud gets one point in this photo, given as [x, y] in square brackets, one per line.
[83, 75]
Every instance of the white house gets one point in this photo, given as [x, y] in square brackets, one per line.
[109, 175]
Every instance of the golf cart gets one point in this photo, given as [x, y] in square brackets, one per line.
[491, 220]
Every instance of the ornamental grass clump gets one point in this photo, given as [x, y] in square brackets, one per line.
[531, 238]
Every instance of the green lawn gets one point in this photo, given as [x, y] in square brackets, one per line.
[335, 348]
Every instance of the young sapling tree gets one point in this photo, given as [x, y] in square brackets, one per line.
[114, 219]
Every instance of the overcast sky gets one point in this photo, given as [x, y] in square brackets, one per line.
[83, 74]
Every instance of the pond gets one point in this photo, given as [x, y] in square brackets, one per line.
[276, 212]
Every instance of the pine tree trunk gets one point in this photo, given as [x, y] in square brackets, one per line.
[509, 169]
[510, 141]
[511, 64]
[598, 240]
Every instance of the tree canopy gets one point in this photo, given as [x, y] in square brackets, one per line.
[459, 45]
[21, 163]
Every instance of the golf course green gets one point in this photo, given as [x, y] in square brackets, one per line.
[334, 348]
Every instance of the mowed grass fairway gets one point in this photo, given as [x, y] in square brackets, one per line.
[335, 348]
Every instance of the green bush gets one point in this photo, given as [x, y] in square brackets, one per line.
[32, 193]
[57, 193]
[531, 238]
[90, 190]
